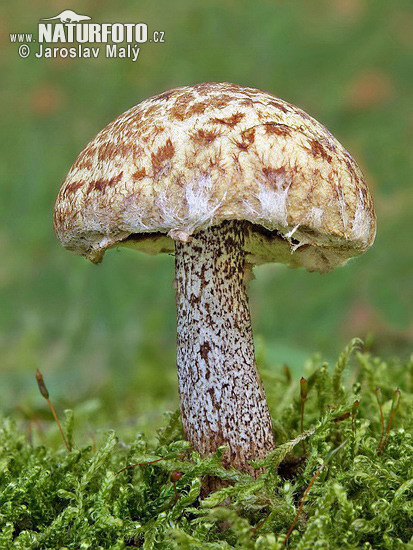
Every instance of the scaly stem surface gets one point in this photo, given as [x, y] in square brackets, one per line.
[222, 398]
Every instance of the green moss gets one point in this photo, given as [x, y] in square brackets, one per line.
[54, 499]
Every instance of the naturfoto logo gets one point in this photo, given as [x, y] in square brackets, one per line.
[120, 40]
[68, 16]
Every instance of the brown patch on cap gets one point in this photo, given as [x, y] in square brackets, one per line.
[197, 108]
[205, 137]
[85, 159]
[139, 174]
[274, 176]
[151, 110]
[58, 218]
[215, 161]
[106, 150]
[125, 149]
[248, 138]
[247, 101]
[158, 130]
[318, 150]
[273, 128]
[252, 91]
[71, 188]
[230, 121]
[97, 185]
[328, 143]
[181, 105]
[237, 164]
[179, 112]
[220, 101]
[83, 163]
[161, 159]
[101, 184]
[279, 106]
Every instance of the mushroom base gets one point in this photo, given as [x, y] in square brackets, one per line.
[222, 398]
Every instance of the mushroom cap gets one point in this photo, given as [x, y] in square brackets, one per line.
[196, 156]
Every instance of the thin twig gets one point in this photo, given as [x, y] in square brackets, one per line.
[318, 472]
[379, 398]
[303, 396]
[45, 393]
[260, 524]
[174, 477]
[394, 406]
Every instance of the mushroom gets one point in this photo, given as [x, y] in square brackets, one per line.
[227, 177]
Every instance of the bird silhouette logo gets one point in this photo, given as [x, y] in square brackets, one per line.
[68, 16]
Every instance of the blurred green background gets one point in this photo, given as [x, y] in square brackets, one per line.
[107, 332]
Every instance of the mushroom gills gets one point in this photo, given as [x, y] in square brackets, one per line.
[157, 242]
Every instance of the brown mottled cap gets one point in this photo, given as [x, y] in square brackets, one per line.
[195, 156]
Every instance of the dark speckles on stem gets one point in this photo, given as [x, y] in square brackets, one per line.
[215, 349]
[197, 249]
[229, 241]
[215, 404]
[204, 350]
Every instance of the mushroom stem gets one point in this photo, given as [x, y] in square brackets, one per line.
[222, 398]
